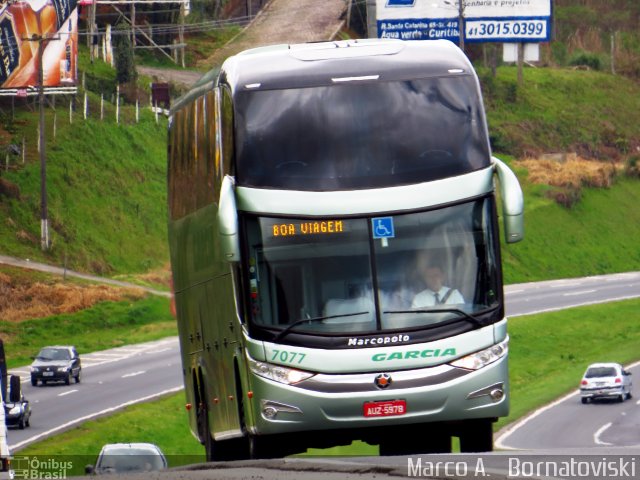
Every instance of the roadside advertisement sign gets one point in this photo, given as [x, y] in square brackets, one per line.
[484, 20]
[26, 24]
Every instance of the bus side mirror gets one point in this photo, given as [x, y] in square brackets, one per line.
[512, 202]
[228, 221]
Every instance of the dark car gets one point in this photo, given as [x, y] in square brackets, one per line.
[56, 364]
[17, 414]
[128, 458]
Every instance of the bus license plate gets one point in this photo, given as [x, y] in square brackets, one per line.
[385, 409]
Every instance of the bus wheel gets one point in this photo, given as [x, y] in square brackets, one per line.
[434, 443]
[204, 433]
[477, 436]
[262, 447]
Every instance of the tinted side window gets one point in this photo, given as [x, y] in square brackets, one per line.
[192, 157]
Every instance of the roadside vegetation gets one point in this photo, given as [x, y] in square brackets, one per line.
[163, 422]
[26, 297]
[105, 325]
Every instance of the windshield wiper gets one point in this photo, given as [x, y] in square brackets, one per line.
[468, 316]
[290, 327]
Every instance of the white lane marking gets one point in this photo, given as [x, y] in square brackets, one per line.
[510, 429]
[583, 292]
[98, 360]
[601, 430]
[157, 351]
[134, 374]
[499, 442]
[565, 284]
[93, 415]
[67, 393]
[572, 281]
[511, 292]
[95, 359]
[102, 355]
[581, 304]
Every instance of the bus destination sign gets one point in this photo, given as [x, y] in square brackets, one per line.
[317, 227]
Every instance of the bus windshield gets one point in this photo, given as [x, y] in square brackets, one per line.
[409, 271]
[359, 135]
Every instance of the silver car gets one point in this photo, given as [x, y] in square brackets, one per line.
[605, 380]
[128, 458]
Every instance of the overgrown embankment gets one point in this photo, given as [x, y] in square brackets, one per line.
[105, 195]
[581, 215]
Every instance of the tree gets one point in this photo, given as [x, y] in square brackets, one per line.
[123, 54]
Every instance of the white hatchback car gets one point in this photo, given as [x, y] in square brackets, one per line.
[605, 380]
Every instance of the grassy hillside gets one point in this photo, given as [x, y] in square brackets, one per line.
[598, 235]
[105, 325]
[594, 115]
[559, 110]
[106, 182]
[105, 191]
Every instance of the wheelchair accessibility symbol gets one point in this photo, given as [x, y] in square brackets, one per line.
[382, 227]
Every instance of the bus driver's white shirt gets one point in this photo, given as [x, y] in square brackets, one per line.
[427, 298]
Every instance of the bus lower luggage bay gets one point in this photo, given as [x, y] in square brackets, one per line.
[335, 252]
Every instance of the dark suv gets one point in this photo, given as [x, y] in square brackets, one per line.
[56, 364]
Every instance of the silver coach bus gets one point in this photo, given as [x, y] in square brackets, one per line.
[335, 253]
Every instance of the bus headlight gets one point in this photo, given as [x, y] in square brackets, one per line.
[278, 373]
[480, 359]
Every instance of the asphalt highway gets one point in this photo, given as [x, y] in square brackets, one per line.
[110, 380]
[567, 423]
[119, 377]
[538, 297]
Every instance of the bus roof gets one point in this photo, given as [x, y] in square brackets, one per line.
[324, 63]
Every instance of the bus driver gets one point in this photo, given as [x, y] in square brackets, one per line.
[436, 293]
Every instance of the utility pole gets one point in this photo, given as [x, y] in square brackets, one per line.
[520, 63]
[461, 25]
[372, 27]
[45, 241]
[93, 47]
[181, 34]
[133, 24]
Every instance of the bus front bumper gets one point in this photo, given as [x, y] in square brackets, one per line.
[436, 394]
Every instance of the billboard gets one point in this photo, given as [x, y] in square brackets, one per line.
[22, 23]
[484, 20]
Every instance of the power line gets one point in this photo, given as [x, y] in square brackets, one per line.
[172, 28]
